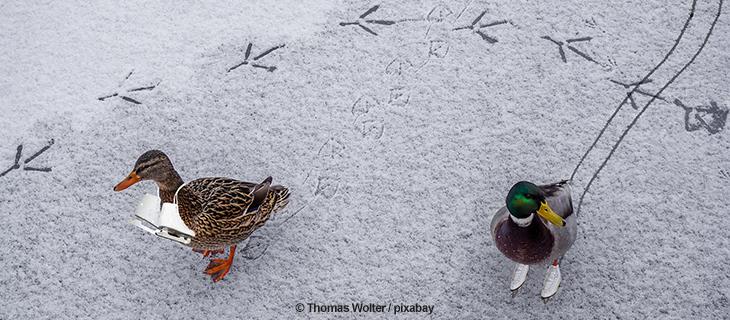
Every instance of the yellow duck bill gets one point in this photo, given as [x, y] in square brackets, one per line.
[548, 214]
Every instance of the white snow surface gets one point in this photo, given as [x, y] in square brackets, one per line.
[397, 147]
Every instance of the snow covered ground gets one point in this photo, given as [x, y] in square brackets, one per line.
[399, 135]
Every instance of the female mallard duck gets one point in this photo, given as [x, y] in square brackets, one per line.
[527, 239]
[221, 211]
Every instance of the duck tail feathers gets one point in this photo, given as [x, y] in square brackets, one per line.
[282, 197]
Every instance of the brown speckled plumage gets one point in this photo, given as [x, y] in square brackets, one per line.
[224, 211]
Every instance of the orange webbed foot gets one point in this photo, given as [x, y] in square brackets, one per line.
[219, 268]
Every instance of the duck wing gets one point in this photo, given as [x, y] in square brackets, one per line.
[558, 197]
[260, 192]
[215, 205]
[218, 198]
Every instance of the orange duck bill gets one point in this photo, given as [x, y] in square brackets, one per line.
[131, 179]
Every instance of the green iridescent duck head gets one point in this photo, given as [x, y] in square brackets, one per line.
[526, 199]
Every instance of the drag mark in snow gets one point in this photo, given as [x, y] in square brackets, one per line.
[19, 154]
[646, 106]
[562, 44]
[296, 212]
[644, 80]
[263, 54]
[366, 24]
[463, 10]
[125, 96]
[711, 118]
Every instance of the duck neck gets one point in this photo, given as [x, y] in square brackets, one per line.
[169, 186]
[523, 222]
[535, 228]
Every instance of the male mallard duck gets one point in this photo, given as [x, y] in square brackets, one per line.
[527, 239]
[221, 211]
